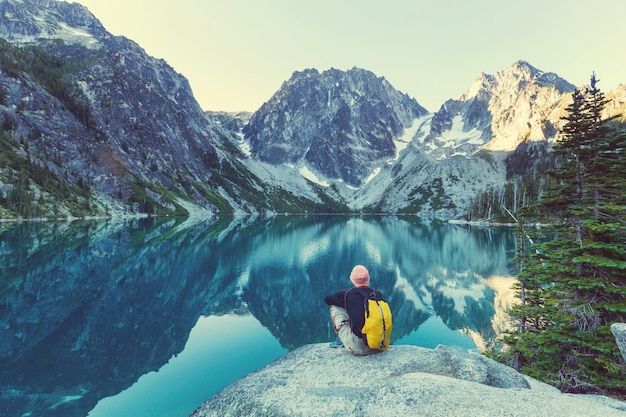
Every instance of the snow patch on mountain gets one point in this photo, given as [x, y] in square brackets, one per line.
[409, 133]
[423, 129]
[287, 177]
[373, 175]
[75, 35]
[44, 22]
[457, 135]
[309, 175]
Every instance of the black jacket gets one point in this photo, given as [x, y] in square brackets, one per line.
[355, 305]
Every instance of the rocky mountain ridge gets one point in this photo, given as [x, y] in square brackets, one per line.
[499, 111]
[337, 123]
[119, 132]
[438, 162]
[107, 118]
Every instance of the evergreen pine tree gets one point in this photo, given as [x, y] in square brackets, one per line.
[575, 282]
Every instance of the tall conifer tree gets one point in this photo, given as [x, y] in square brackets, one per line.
[575, 282]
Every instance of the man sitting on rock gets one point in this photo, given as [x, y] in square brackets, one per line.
[347, 313]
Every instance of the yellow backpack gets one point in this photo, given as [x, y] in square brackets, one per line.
[378, 320]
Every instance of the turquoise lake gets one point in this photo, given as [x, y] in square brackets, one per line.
[151, 317]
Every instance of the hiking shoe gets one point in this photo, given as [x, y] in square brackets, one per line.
[337, 343]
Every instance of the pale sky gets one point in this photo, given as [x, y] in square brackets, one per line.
[237, 53]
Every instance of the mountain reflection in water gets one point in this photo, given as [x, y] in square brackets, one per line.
[88, 308]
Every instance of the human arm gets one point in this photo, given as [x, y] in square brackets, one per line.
[336, 299]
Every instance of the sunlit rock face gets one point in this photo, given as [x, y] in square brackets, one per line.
[404, 381]
[500, 111]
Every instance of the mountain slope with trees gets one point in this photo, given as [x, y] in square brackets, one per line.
[90, 125]
[573, 280]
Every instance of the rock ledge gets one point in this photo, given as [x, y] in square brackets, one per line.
[404, 381]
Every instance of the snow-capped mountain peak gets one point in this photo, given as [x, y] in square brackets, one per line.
[365, 143]
[498, 112]
[338, 125]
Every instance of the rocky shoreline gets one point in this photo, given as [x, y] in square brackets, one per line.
[404, 381]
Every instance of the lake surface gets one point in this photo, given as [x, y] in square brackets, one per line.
[151, 317]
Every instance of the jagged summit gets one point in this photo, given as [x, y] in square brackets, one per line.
[523, 72]
[337, 124]
[517, 75]
[498, 112]
[523, 67]
[539, 77]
